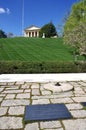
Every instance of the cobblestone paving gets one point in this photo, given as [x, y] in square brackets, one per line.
[14, 96]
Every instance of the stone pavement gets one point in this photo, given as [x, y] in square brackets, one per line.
[14, 96]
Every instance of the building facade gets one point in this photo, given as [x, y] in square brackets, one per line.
[32, 31]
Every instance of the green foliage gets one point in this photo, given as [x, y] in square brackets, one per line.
[75, 28]
[77, 15]
[49, 30]
[12, 67]
[77, 38]
[37, 55]
[2, 34]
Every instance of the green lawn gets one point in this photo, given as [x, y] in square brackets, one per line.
[34, 49]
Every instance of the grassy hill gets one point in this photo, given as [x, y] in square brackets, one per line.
[37, 55]
[34, 49]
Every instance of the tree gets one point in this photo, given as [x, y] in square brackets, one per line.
[49, 30]
[2, 34]
[9, 35]
[77, 15]
[77, 38]
[75, 29]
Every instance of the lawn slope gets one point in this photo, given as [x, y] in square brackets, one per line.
[34, 49]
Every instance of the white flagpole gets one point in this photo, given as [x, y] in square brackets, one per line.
[22, 17]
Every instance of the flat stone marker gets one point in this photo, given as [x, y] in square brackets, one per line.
[46, 112]
[62, 87]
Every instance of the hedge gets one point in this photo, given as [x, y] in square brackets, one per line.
[12, 67]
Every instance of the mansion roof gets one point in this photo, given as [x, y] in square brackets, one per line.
[30, 28]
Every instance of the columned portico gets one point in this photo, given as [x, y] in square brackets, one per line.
[31, 31]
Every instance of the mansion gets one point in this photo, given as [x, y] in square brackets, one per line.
[32, 31]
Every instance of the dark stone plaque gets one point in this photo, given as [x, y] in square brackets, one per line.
[46, 112]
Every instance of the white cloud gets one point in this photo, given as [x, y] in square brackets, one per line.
[2, 11]
[8, 11]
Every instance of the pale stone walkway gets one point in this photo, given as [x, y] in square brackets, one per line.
[14, 96]
[42, 77]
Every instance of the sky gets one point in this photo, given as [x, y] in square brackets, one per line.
[36, 12]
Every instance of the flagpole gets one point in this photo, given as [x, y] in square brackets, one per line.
[22, 17]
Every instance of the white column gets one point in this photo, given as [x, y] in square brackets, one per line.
[31, 34]
[37, 34]
[34, 34]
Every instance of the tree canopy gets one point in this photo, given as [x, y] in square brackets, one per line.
[10, 35]
[75, 28]
[49, 30]
[77, 15]
[2, 34]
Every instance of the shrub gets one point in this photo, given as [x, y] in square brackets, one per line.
[11, 67]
